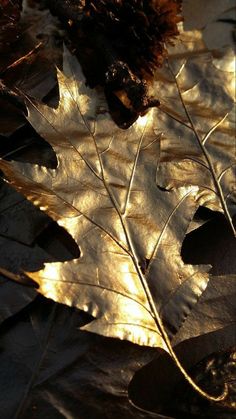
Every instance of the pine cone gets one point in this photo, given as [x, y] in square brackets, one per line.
[137, 30]
[119, 44]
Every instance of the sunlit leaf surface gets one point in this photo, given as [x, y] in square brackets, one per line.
[125, 200]
[198, 124]
[104, 193]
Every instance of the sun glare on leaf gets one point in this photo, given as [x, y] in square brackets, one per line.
[47, 282]
[142, 121]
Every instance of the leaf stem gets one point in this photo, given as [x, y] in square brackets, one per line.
[21, 59]
[21, 278]
[166, 339]
[155, 314]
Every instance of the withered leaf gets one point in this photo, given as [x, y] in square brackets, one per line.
[103, 192]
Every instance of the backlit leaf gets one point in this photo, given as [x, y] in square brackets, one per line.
[130, 274]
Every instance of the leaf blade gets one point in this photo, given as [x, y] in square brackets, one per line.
[115, 213]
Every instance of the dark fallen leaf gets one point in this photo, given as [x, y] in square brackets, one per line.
[13, 298]
[26, 145]
[12, 97]
[209, 360]
[50, 368]
[212, 243]
[10, 118]
[20, 224]
[58, 243]
[215, 310]
[13, 256]
[169, 394]
[208, 331]
[211, 373]
[33, 74]
[16, 212]
[30, 69]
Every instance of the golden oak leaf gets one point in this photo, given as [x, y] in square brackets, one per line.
[198, 123]
[130, 275]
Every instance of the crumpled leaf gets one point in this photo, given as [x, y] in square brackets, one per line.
[53, 369]
[197, 146]
[104, 193]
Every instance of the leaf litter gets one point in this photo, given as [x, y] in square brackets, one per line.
[123, 229]
[104, 193]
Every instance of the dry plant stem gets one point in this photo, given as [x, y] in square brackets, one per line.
[21, 279]
[201, 144]
[9, 275]
[166, 339]
[25, 57]
[23, 147]
[155, 314]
